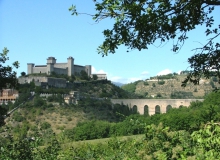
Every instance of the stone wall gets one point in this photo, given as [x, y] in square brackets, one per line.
[39, 69]
[60, 71]
[60, 65]
[23, 80]
[78, 69]
[55, 82]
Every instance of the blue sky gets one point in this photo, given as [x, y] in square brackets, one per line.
[34, 30]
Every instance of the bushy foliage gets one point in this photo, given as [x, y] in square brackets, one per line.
[7, 75]
[84, 75]
[167, 76]
[18, 117]
[38, 101]
[131, 87]
[45, 125]
[91, 130]
[159, 143]
[161, 82]
[154, 85]
[181, 95]
[56, 98]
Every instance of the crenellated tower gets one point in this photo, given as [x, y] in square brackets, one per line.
[70, 66]
[50, 65]
[88, 69]
[30, 67]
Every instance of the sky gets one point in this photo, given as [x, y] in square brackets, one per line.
[35, 30]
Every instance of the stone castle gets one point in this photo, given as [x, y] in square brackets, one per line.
[68, 68]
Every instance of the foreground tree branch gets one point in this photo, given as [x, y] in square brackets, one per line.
[139, 23]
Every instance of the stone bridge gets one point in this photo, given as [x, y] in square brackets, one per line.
[152, 106]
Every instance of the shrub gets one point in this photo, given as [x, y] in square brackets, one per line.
[18, 117]
[45, 125]
[161, 82]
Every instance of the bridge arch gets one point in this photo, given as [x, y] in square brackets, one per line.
[181, 106]
[157, 109]
[168, 108]
[135, 109]
[146, 110]
[151, 103]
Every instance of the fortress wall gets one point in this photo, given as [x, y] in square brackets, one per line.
[60, 70]
[57, 82]
[60, 65]
[152, 103]
[39, 79]
[39, 69]
[23, 80]
[78, 69]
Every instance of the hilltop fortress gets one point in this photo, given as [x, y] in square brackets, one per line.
[68, 68]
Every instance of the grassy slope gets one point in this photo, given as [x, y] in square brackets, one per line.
[102, 141]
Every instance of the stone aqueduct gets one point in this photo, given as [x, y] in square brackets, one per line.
[152, 104]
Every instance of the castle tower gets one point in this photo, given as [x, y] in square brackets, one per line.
[70, 66]
[50, 65]
[88, 70]
[30, 67]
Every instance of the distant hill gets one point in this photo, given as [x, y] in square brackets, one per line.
[169, 86]
[118, 84]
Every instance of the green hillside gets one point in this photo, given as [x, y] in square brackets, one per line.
[48, 128]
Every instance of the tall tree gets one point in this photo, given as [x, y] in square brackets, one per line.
[139, 23]
[7, 76]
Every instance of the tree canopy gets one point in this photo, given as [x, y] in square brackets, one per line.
[7, 76]
[140, 23]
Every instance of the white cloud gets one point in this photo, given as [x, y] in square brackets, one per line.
[144, 73]
[123, 80]
[101, 72]
[116, 79]
[164, 72]
[94, 71]
[133, 79]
